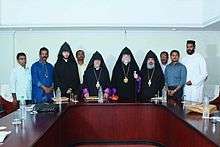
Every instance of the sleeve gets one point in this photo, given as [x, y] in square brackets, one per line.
[113, 80]
[107, 79]
[85, 84]
[203, 72]
[30, 85]
[162, 80]
[165, 76]
[57, 82]
[35, 78]
[183, 75]
[76, 81]
[12, 81]
[52, 73]
[85, 80]
[107, 82]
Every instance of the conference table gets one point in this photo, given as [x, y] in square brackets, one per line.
[113, 124]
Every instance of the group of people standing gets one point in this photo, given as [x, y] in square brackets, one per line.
[128, 83]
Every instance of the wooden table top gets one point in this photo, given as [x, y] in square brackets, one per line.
[35, 126]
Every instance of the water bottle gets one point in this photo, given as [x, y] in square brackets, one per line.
[58, 92]
[100, 95]
[22, 108]
[58, 96]
[205, 107]
[164, 94]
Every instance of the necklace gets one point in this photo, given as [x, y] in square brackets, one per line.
[97, 85]
[125, 80]
[46, 71]
[149, 77]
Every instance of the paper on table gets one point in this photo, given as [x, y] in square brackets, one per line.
[30, 107]
[217, 118]
[3, 128]
[3, 134]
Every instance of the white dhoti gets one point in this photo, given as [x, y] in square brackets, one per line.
[197, 74]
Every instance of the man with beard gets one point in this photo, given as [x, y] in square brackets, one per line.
[196, 73]
[175, 77]
[80, 56]
[96, 76]
[124, 76]
[164, 57]
[42, 78]
[152, 78]
[66, 72]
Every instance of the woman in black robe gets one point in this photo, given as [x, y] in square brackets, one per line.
[124, 76]
[152, 78]
[66, 72]
[95, 76]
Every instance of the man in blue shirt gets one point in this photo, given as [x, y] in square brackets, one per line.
[42, 78]
[175, 77]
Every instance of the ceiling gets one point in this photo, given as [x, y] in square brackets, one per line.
[172, 15]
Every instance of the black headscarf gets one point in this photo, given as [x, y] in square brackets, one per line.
[126, 91]
[126, 50]
[96, 56]
[66, 73]
[65, 47]
[146, 91]
[89, 79]
[151, 54]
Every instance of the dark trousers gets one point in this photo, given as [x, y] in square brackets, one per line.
[178, 95]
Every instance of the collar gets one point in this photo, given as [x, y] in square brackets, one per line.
[21, 67]
[65, 60]
[84, 64]
[164, 64]
[41, 61]
[177, 63]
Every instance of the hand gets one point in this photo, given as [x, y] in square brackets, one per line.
[51, 89]
[86, 95]
[189, 83]
[47, 90]
[168, 92]
[69, 91]
[172, 92]
[105, 95]
[135, 75]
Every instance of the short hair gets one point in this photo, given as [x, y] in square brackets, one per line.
[43, 49]
[77, 52]
[164, 52]
[191, 42]
[20, 54]
[174, 51]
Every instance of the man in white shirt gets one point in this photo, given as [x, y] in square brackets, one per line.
[196, 73]
[20, 80]
[164, 57]
[80, 56]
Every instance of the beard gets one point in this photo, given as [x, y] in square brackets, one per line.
[150, 66]
[96, 66]
[126, 62]
[164, 61]
[190, 52]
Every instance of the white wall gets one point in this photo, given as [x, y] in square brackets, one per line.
[7, 55]
[110, 44]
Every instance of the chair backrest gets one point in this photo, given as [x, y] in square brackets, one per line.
[7, 106]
